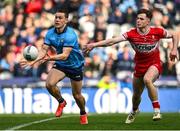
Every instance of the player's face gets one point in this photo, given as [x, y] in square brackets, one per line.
[60, 20]
[142, 21]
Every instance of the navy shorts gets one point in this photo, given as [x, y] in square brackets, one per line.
[73, 74]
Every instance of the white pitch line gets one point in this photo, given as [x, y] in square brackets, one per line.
[36, 122]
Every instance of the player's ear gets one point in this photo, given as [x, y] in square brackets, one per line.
[66, 20]
[149, 21]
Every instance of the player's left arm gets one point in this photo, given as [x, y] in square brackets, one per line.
[175, 39]
[63, 56]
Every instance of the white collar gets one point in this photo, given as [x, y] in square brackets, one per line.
[145, 33]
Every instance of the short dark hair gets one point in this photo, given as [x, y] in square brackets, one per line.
[145, 11]
[63, 10]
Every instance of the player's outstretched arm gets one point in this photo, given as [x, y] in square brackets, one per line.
[41, 55]
[175, 38]
[104, 43]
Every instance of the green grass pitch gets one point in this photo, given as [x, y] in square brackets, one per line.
[170, 121]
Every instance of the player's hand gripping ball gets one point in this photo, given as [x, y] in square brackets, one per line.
[30, 53]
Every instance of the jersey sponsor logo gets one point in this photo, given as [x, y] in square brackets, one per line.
[144, 47]
[78, 76]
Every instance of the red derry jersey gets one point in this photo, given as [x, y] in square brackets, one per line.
[146, 47]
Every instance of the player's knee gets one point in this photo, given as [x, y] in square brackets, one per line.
[77, 96]
[49, 84]
[147, 81]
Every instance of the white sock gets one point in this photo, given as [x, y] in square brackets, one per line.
[157, 110]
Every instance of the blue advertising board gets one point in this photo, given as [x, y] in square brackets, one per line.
[38, 100]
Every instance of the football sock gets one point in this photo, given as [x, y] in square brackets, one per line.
[134, 109]
[82, 112]
[60, 100]
[156, 106]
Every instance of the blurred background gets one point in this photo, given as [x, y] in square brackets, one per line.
[108, 71]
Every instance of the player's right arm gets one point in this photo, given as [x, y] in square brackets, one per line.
[103, 43]
[41, 55]
[43, 51]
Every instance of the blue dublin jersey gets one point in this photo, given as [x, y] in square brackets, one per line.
[67, 38]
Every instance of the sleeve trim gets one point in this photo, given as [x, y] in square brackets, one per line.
[46, 44]
[124, 35]
[67, 46]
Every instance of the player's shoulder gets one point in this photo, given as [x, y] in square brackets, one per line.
[70, 30]
[51, 31]
[159, 28]
[132, 30]
[130, 33]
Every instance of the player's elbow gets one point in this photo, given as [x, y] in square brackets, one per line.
[109, 42]
[64, 57]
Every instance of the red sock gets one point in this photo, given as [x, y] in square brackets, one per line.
[155, 104]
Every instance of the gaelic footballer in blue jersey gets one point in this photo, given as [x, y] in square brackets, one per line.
[67, 39]
[69, 62]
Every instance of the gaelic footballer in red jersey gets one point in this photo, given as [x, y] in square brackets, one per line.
[146, 46]
[144, 39]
